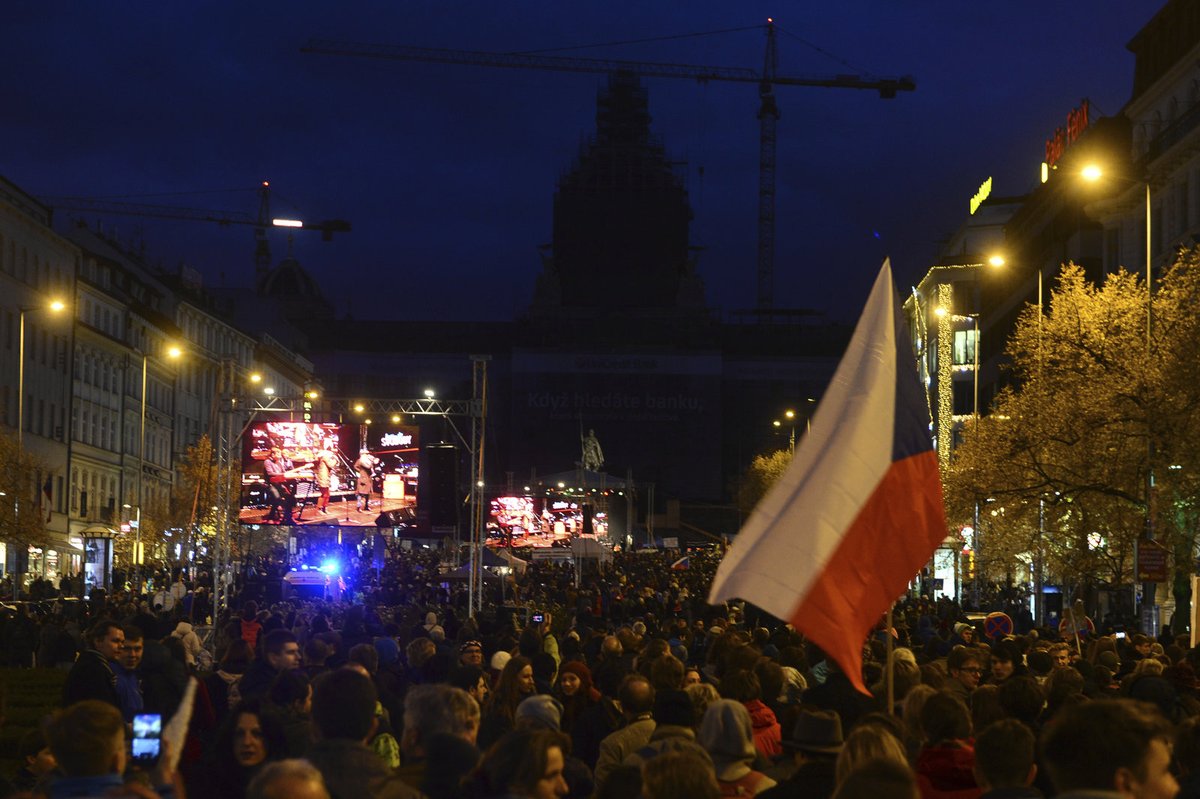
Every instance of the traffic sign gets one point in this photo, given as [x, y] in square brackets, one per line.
[1084, 627]
[997, 625]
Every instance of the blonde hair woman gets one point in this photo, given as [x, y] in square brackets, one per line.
[865, 743]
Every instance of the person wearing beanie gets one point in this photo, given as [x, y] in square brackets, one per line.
[1110, 660]
[544, 712]
[497, 664]
[964, 634]
[726, 734]
[575, 691]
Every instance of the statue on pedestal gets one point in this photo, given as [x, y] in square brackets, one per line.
[593, 456]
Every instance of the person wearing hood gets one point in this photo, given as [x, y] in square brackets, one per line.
[728, 737]
[544, 712]
[191, 642]
[946, 763]
[743, 686]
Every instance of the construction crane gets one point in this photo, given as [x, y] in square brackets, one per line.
[768, 112]
[262, 223]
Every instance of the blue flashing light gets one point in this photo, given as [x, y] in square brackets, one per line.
[330, 567]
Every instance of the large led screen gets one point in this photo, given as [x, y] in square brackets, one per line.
[301, 473]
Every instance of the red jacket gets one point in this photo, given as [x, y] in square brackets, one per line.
[768, 735]
[944, 771]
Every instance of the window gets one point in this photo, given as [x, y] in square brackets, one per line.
[964, 347]
[964, 397]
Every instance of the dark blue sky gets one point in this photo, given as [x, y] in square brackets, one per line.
[447, 172]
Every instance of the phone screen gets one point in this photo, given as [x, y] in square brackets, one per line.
[538, 618]
[147, 738]
[1120, 635]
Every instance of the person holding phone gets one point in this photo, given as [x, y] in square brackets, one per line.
[88, 742]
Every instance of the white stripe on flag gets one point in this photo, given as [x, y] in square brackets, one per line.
[797, 526]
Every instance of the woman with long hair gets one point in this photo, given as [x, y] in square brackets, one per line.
[250, 737]
[515, 683]
[575, 690]
[523, 763]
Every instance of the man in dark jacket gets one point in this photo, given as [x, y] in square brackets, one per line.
[343, 712]
[92, 676]
[281, 652]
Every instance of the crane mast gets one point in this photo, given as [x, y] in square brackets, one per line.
[768, 112]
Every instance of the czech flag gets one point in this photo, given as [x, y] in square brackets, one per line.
[682, 563]
[859, 512]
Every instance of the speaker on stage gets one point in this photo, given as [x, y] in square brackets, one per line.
[437, 489]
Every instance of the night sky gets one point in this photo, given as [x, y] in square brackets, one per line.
[447, 173]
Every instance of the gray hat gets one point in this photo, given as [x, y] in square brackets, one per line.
[541, 709]
[816, 731]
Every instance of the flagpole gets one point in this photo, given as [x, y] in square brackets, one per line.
[891, 667]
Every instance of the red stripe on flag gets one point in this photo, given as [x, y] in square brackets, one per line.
[893, 536]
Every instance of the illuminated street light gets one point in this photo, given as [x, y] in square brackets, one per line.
[429, 393]
[54, 306]
[269, 391]
[255, 377]
[174, 353]
[1093, 173]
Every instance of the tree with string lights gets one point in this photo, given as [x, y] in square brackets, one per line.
[1059, 467]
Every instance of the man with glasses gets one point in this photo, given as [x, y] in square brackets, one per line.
[964, 666]
[471, 654]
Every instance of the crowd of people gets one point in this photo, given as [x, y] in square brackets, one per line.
[620, 682]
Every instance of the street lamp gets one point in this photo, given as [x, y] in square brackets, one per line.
[1093, 173]
[54, 306]
[173, 353]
